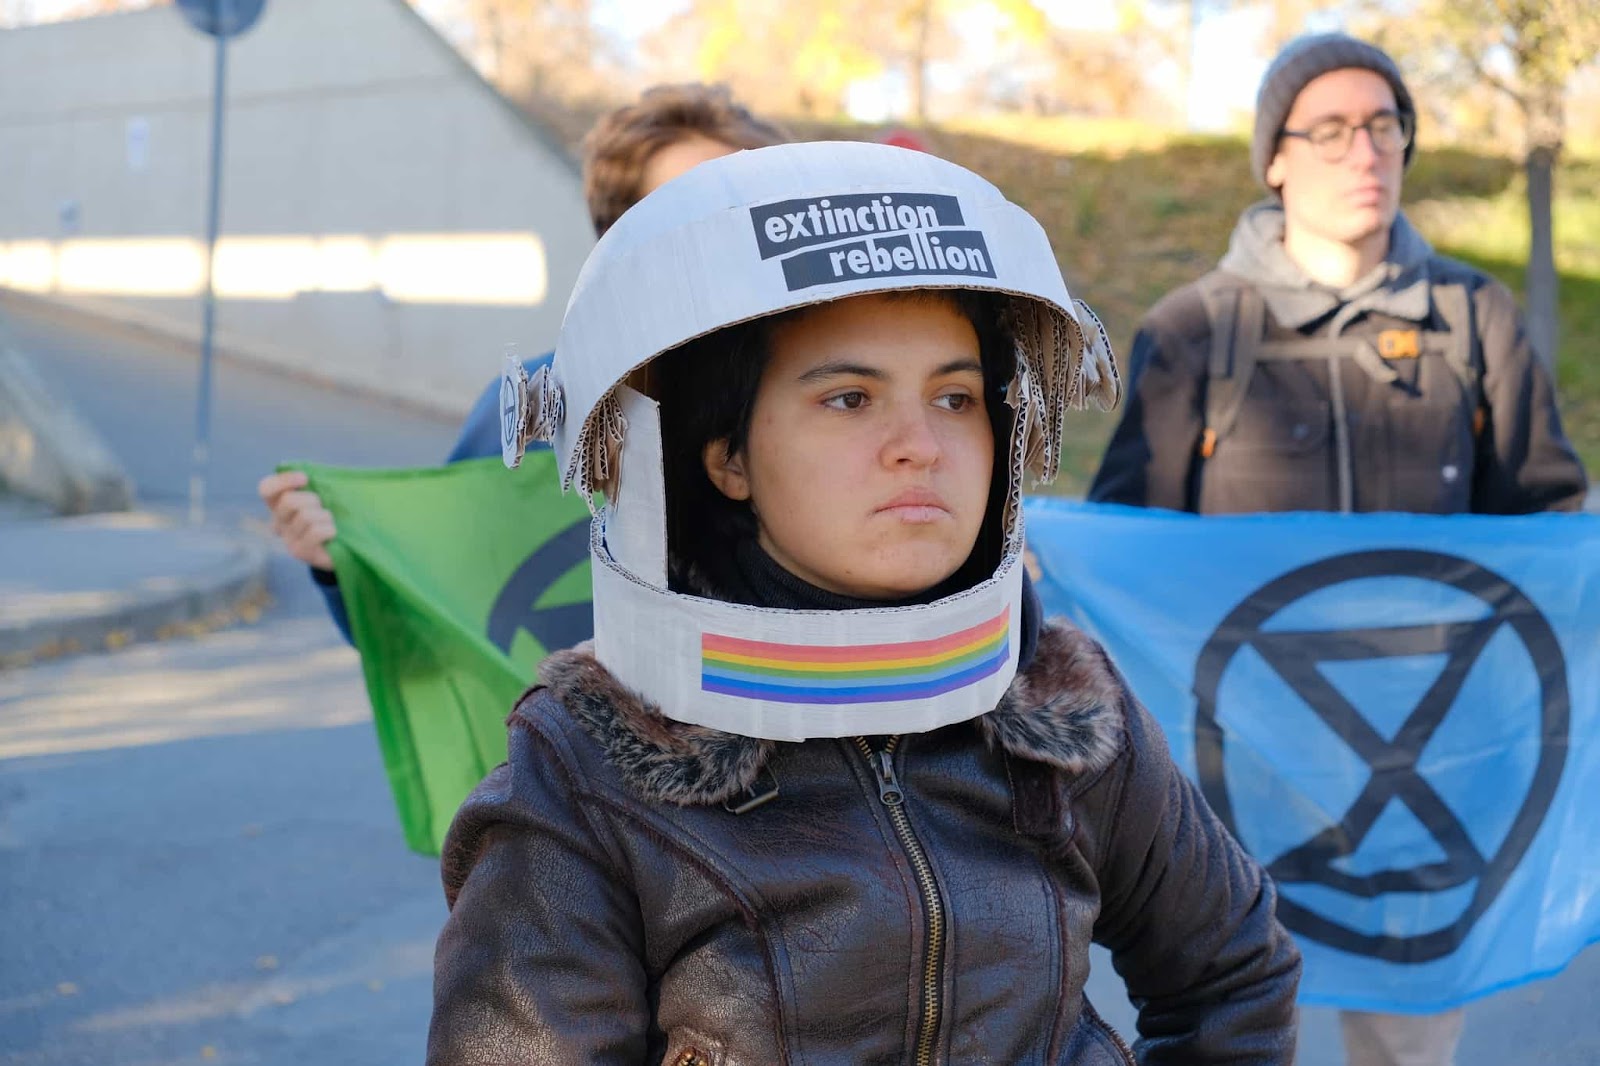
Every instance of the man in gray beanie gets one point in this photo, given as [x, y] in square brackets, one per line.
[1333, 362]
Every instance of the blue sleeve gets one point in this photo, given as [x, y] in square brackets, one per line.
[479, 439]
[480, 436]
[328, 584]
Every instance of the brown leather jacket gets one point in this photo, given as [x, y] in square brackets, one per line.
[628, 889]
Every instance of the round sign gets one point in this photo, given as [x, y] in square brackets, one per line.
[1470, 857]
[221, 18]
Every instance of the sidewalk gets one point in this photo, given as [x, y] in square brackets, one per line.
[70, 585]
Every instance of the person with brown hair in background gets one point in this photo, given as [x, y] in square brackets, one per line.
[629, 153]
[1334, 362]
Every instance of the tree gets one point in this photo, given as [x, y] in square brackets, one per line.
[1173, 27]
[1287, 20]
[548, 48]
[1104, 73]
[1176, 36]
[805, 55]
[1529, 50]
[1040, 66]
[797, 58]
[921, 30]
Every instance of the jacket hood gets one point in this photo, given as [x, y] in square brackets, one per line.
[1398, 286]
[1064, 710]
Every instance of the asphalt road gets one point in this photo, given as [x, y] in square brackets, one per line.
[199, 860]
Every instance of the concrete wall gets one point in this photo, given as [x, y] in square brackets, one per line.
[388, 220]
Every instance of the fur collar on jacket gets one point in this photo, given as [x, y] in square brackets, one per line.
[1065, 710]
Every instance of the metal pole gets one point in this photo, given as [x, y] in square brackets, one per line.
[202, 429]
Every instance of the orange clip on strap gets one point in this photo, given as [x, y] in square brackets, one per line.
[1208, 443]
[1399, 344]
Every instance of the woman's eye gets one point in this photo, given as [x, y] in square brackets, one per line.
[956, 401]
[846, 401]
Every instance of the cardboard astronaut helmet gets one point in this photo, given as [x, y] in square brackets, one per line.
[755, 234]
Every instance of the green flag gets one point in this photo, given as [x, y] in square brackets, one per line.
[458, 579]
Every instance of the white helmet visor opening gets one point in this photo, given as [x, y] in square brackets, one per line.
[707, 392]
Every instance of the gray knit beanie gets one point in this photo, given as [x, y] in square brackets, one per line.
[1302, 60]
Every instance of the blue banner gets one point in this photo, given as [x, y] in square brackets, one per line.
[1396, 714]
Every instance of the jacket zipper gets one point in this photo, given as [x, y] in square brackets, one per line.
[893, 797]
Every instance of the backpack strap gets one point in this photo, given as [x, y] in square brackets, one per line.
[1237, 315]
[1461, 350]
[1238, 318]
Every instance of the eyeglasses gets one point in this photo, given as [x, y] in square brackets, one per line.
[1331, 139]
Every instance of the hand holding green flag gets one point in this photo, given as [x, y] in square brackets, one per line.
[457, 580]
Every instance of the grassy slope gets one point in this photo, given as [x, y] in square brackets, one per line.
[1133, 214]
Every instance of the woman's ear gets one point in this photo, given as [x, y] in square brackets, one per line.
[726, 471]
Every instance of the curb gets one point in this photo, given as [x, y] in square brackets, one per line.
[228, 590]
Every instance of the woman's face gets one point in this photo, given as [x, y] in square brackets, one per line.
[869, 454]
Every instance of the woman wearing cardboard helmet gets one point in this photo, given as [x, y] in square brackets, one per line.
[826, 788]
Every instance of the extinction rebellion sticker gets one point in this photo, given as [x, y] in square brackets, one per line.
[869, 235]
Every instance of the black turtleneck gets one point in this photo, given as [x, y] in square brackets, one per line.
[757, 579]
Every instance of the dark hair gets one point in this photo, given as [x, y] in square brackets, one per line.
[707, 391]
[616, 150]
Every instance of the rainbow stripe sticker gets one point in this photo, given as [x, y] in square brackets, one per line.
[863, 673]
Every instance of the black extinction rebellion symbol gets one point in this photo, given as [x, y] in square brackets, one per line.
[1295, 656]
[516, 609]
